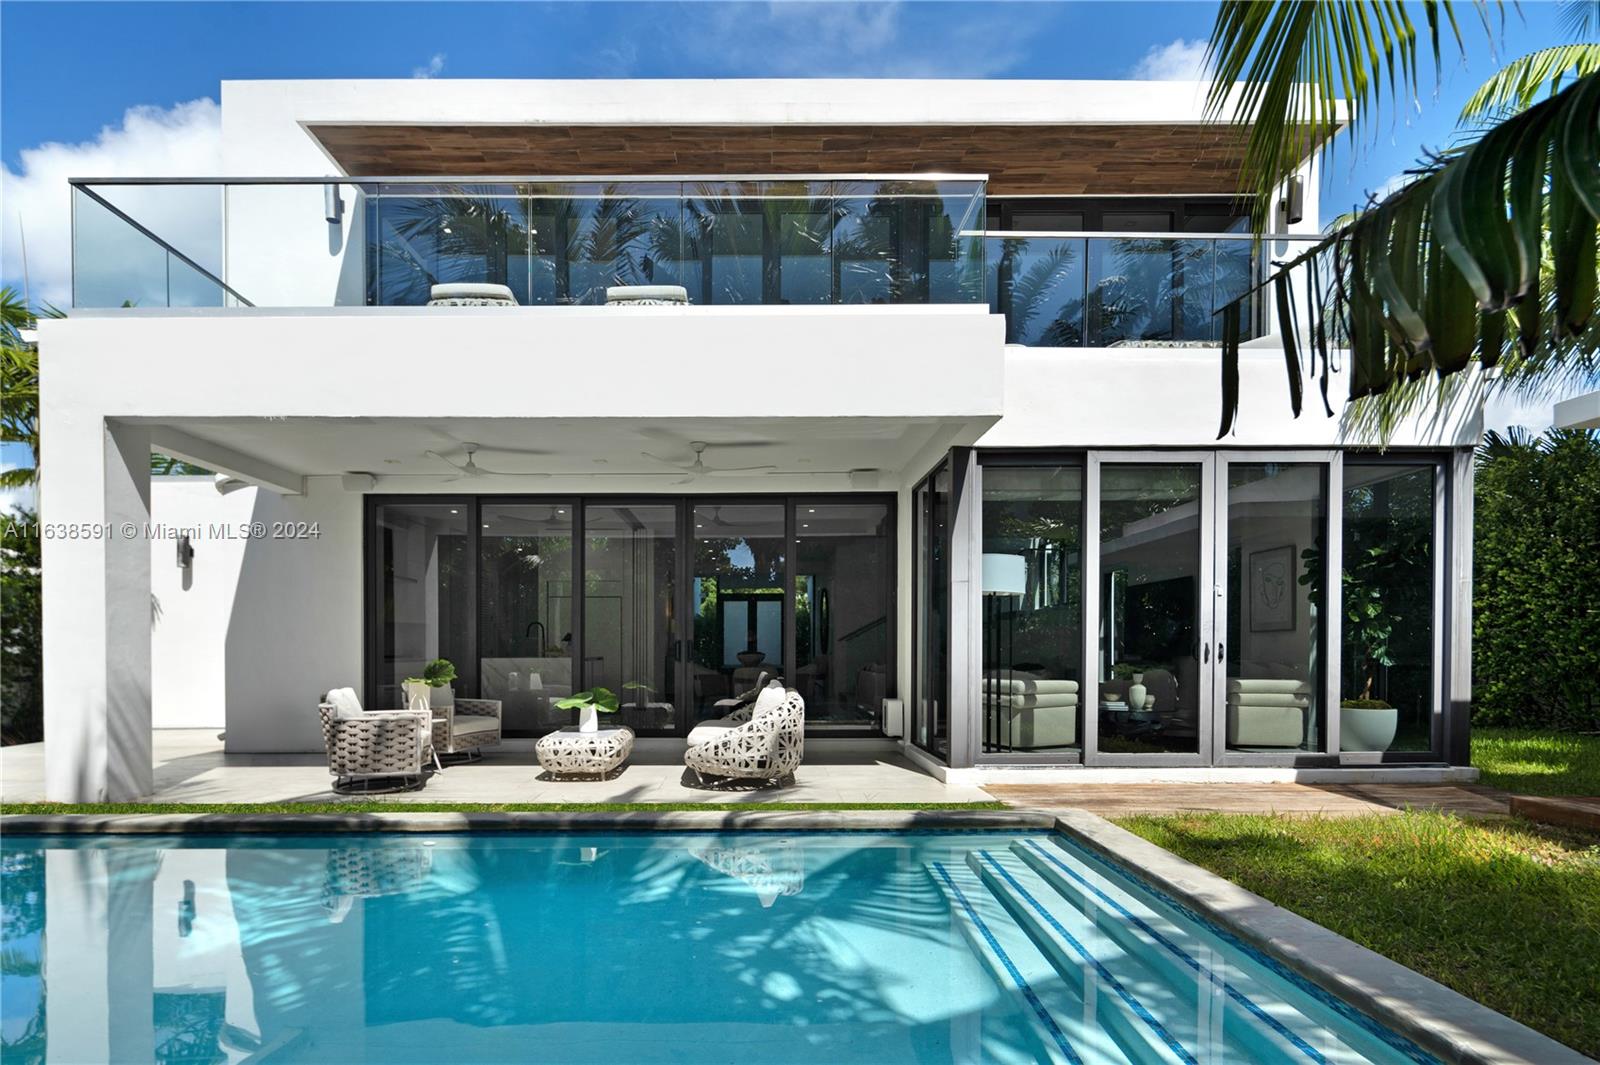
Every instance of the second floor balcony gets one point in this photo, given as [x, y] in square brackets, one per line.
[728, 241]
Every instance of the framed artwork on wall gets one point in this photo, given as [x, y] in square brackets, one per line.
[1272, 590]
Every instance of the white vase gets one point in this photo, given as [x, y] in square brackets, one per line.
[419, 695]
[1136, 693]
[589, 719]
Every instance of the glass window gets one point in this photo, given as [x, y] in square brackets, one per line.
[1032, 608]
[933, 613]
[525, 612]
[630, 633]
[1386, 689]
[737, 602]
[1150, 543]
[1273, 642]
[423, 584]
[844, 561]
[1039, 288]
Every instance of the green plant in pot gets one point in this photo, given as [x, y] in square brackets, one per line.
[420, 691]
[590, 704]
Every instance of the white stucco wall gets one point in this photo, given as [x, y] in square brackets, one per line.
[260, 626]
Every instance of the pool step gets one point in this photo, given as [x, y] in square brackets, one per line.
[1250, 1002]
[1258, 1021]
[1129, 1001]
[1018, 967]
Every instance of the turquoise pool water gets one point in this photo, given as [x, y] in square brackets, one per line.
[630, 948]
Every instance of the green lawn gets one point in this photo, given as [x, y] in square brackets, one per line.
[380, 806]
[1507, 913]
[1537, 763]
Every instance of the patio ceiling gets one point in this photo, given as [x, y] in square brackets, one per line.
[607, 450]
[1062, 159]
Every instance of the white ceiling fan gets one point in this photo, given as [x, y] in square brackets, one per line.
[470, 467]
[698, 467]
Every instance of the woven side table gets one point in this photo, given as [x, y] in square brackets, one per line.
[568, 752]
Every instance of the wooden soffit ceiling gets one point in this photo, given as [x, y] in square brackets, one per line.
[1076, 160]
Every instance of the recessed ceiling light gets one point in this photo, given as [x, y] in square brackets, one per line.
[812, 510]
[558, 511]
[805, 525]
[455, 512]
[486, 526]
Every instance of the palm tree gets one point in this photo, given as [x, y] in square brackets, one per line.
[1486, 259]
[19, 386]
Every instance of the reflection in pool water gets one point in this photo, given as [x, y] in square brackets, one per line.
[616, 948]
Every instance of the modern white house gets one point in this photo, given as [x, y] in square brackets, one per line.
[934, 437]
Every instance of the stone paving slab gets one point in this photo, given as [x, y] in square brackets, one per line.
[1304, 800]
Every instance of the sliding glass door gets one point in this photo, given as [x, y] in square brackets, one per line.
[1271, 691]
[1152, 612]
[676, 604]
[630, 617]
[1209, 620]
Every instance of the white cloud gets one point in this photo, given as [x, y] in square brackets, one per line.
[185, 139]
[433, 69]
[1180, 60]
[15, 499]
[838, 39]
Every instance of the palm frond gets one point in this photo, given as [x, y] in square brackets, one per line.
[1515, 86]
[1487, 260]
[1283, 67]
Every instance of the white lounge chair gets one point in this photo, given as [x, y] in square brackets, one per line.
[756, 742]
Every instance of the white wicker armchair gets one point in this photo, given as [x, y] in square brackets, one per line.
[769, 747]
[378, 744]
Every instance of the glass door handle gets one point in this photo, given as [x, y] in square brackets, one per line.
[1220, 652]
[1205, 652]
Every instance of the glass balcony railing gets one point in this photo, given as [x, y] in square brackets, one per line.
[313, 242]
[1106, 290]
[318, 242]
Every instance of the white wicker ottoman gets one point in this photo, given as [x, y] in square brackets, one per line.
[568, 752]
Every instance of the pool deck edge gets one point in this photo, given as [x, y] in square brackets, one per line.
[1443, 1022]
[525, 821]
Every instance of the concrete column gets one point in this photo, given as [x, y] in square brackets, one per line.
[95, 506]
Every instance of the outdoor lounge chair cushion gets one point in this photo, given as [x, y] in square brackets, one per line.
[467, 724]
[346, 705]
[707, 731]
[770, 699]
[472, 290]
[647, 294]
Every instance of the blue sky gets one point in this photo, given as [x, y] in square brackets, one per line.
[130, 87]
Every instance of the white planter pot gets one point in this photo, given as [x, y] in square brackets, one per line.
[419, 694]
[443, 697]
[589, 719]
[1367, 729]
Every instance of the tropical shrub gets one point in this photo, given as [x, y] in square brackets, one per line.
[21, 676]
[1536, 586]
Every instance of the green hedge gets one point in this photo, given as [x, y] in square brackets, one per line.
[1536, 581]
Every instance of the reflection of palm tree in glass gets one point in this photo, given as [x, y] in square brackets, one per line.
[1026, 288]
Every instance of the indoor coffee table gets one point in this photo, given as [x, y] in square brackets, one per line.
[568, 752]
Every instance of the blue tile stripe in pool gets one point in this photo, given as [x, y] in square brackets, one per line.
[1083, 952]
[1005, 959]
[1134, 919]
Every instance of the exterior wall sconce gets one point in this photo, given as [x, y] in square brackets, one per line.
[1292, 208]
[332, 205]
[185, 552]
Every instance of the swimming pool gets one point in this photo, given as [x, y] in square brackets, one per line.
[614, 947]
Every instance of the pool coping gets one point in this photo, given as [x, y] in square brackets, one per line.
[1443, 1022]
[525, 821]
